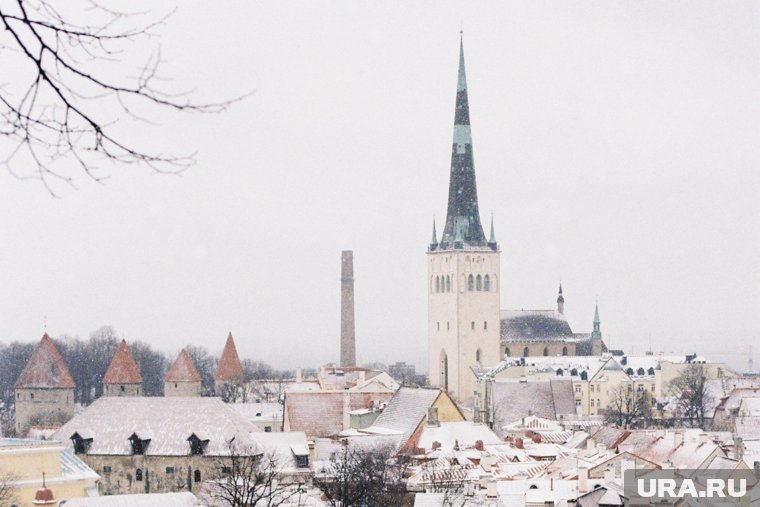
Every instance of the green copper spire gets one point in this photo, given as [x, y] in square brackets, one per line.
[434, 242]
[597, 332]
[492, 239]
[462, 217]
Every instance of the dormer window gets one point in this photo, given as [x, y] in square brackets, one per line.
[139, 444]
[198, 444]
[301, 453]
[81, 442]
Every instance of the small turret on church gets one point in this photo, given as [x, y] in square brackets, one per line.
[561, 301]
[123, 377]
[44, 390]
[597, 346]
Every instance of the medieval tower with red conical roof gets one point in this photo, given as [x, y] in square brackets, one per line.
[44, 390]
[183, 378]
[229, 373]
[123, 377]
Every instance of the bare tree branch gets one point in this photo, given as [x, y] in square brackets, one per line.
[62, 106]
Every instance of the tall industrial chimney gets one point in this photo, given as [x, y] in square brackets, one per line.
[347, 328]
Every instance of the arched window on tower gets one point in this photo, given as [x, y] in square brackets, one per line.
[487, 283]
[477, 356]
[564, 350]
[197, 476]
[138, 475]
[525, 352]
[448, 283]
[470, 283]
[437, 284]
[507, 352]
[546, 351]
[479, 283]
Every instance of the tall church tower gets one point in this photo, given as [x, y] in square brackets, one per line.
[463, 272]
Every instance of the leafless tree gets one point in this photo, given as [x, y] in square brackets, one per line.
[64, 103]
[693, 399]
[629, 407]
[359, 477]
[448, 479]
[249, 477]
[6, 488]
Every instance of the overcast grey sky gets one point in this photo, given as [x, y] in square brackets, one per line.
[617, 144]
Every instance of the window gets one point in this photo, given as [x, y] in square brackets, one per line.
[438, 324]
[437, 284]
[577, 403]
[472, 325]
[479, 283]
[470, 283]
[640, 371]
[640, 387]
[267, 429]
[574, 372]
[650, 371]
[477, 356]
[584, 375]
[138, 475]
[560, 372]
[197, 476]
[302, 461]
[485, 325]
[652, 387]
[564, 351]
[31, 396]
[106, 469]
[448, 283]
[546, 351]
[507, 352]
[525, 352]
[486, 283]
[226, 470]
[577, 388]
[169, 470]
[121, 388]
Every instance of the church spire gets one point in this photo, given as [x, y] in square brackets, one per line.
[597, 332]
[560, 301]
[462, 217]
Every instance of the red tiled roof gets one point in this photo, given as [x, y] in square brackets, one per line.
[183, 369]
[45, 368]
[229, 365]
[320, 414]
[123, 368]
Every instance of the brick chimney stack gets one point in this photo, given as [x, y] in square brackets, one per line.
[347, 328]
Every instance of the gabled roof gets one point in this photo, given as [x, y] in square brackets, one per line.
[123, 368]
[183, 369]
[168, 422]
[45, 369]
[321, 413]
[229, 364]
[548, 399]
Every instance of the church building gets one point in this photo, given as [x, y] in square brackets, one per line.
[466, 325]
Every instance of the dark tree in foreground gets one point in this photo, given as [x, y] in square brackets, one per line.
[250, 478]
[359, 477]
[629, 407]
[693, 398]
[153, 365]
[6, 488]
[68, 89]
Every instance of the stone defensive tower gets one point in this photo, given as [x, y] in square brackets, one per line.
[123, 375]
[347, 326]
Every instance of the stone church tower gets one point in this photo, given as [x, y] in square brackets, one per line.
[463, 273]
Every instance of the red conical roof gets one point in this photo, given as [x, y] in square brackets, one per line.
[229, 365]
[183, 369]
[123, 368]
[45, 368]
